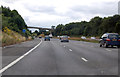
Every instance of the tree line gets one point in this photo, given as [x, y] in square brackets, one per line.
[95, 27]
[14, 21]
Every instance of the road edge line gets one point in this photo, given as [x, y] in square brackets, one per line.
[18, 59]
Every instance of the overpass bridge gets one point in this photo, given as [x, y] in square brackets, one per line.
[40, 28]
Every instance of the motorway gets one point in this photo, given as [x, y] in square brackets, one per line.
[73, 58]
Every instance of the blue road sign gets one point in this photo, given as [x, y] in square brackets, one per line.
[23, 30]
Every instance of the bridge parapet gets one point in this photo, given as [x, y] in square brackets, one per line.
[39, 28]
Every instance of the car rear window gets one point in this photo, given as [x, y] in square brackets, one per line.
[46, 36]
[119, 36]
[113, 36]
[65, 36]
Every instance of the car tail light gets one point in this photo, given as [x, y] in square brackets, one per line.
[107, 39]
[118, 39]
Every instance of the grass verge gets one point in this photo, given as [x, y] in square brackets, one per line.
[10, 37]
[86, 40]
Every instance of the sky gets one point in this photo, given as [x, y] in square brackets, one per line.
[47, 13]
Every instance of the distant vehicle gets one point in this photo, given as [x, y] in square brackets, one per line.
[68, 37]
[60, 37]
[50, 35]
[47, 38]
[83, 37]
[110, 39]
[93, 38]
[64, 39]
[40, 36]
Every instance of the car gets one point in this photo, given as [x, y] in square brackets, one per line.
[40, 36]
[110, 39]
[83, 37]
[64, 39]
[93, 38]
[60, 37]
[51, 36]
[47, 38]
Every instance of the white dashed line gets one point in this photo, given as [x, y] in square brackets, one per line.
[64, 46]
[70, 49]
[18, 59]
[108, 50]
[84, 59]
[102, 72]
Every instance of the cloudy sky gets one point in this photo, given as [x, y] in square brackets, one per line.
[45, 13]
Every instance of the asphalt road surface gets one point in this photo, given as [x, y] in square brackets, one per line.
[12, 52]
[73, 58]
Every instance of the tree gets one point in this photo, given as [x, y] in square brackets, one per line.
[95, 27]
[13, 20]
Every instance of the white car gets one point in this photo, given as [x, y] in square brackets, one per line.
[93, 38]
[83, 37]
[50, 35]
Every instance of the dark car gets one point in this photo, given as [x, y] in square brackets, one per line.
[110, 39]
[40, 37]
[64, 39]
[47, 38]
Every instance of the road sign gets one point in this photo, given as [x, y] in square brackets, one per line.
[23, 30]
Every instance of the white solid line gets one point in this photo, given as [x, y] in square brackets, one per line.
[70, 49]
[18, 59]
[108, 50]
[84, 59]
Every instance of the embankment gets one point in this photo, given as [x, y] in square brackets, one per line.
[10, 37]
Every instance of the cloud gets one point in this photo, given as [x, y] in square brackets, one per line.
[45, 13]
[41, 9]
[108, 8]
[10, 1]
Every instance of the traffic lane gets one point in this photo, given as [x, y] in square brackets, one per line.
[39, 62]
[94, 47]
[50, 59]
[63, 62]
[17, 49]
[111, 54]
[95, 67]
[70, 64]
[12, 52]
[97, 45]
[100, 59]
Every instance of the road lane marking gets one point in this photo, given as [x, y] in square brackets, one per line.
[18, 59]
[108, 50]
[64, 46]
[102, 72]
[70, 49]
[84, 59]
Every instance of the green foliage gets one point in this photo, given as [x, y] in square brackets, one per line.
[95, 27]
[13, 20]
